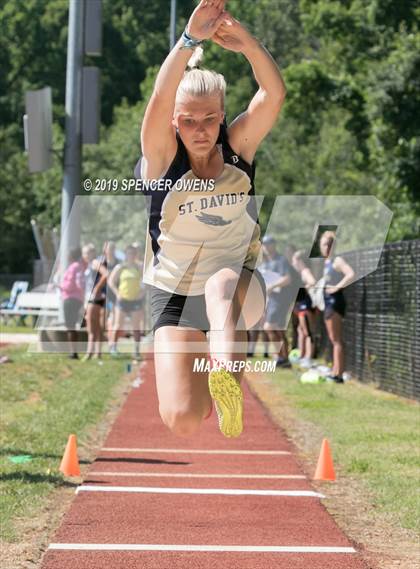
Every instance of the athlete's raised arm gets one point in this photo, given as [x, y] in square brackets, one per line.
[248, 130]
[157, 132]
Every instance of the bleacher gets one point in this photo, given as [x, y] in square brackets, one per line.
[22, 304]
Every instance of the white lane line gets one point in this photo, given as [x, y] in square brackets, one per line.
[196, 451]
[187, 475]
[232, 548]
[228, 492]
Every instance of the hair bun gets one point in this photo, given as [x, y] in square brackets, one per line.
[195, 59]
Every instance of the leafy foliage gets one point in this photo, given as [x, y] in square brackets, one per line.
[350, 124]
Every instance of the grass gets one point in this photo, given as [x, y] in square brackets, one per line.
[14, 328]
[374, 436]
[44, 398]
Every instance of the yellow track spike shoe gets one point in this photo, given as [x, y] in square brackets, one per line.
[228, 400]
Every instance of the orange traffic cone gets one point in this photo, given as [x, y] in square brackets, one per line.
[70, 464]
[325, 467]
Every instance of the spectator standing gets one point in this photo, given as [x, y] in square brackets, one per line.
[277, 269]
[337, 275]
[95, 295]
[110, 263]
[125, 281]
[72, 289]
[304, 310]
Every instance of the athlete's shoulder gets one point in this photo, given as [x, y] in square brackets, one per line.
[230, 153]
[176, 160]
[339, 263]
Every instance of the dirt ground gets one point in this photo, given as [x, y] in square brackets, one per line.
[383, 543]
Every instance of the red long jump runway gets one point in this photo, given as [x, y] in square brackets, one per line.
[152, 500]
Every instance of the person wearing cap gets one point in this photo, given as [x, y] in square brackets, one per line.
[276, 271]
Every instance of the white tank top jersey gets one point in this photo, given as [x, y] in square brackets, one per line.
[193, 234]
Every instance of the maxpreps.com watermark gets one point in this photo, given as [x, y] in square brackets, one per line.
[234, 366]
[155, 185]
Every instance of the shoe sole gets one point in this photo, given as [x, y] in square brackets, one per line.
[228, 398]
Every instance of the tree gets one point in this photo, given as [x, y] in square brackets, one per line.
[350, 124]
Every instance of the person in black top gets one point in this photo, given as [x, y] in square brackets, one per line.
[304, 310]
[202, 251]
[337, 275]
[95, 295]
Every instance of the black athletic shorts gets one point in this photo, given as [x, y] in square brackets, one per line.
[334, 303]
[171, 309]
[97, 301]
[304, 305]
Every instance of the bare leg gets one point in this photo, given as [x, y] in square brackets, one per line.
[96, 327]
[136, 323]
[284, 349]
[295, 326]
[71, 336]
[334, 326]
[266, 341]
[252, 341]
[275, 338]
[118, 322]
[304, 336]
[110, 323]
[184, 398]
[301, 337]
[101, 331]
[233, 303]
[90, 328]
[310, 344]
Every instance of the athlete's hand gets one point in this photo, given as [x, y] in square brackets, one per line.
[232, 35]
[331, 289]
[205, 19]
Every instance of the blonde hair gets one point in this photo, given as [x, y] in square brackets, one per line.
[329, 235]
[201, 82]
[88, 248]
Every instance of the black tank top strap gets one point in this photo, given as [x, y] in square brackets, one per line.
[230, 155]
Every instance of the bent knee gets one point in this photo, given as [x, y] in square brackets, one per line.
[223, 285]
[183, 423]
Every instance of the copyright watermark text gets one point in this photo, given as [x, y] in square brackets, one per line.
[234, 366]
[106, 185]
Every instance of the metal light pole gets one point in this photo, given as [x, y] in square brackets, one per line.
[70, 233]
[172, 31]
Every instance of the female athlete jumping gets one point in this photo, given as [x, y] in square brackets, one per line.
[202, 248]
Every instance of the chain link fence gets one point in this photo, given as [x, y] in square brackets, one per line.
[382, 324]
